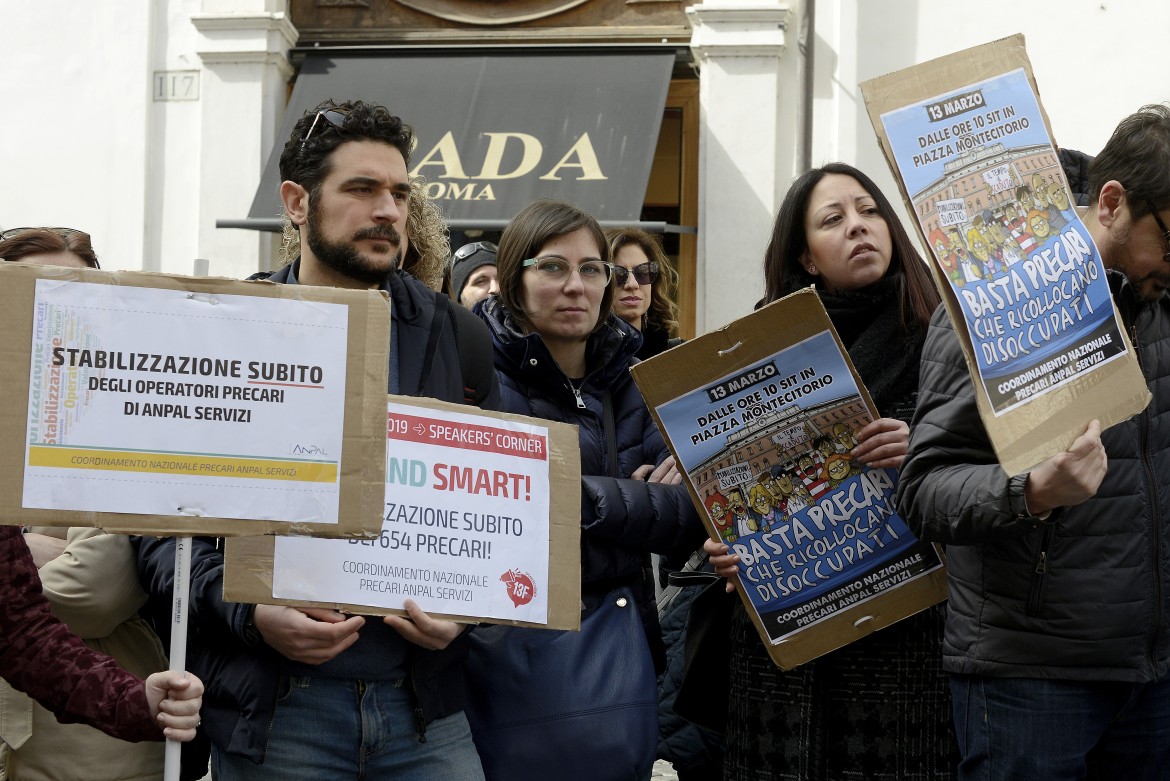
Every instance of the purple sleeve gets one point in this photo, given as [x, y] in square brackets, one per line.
[42, 658]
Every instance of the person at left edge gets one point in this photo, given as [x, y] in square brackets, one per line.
[90, 580]
[310, 693]
[42, 658]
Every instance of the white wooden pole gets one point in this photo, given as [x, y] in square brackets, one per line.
[179, 604]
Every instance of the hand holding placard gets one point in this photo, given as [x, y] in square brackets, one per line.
[1070, 477]
[883, 443]
[309, 635]
[420, 629]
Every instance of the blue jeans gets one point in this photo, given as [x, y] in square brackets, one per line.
[1030, 729]
[331, 728]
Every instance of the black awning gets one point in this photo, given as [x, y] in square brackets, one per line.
[497, 130]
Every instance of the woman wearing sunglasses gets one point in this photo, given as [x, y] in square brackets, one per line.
[643, 281]
[562, 355]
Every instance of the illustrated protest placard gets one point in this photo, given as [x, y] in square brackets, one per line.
[481, 523]
[152, 403]
[1020, 275]
[761, 416]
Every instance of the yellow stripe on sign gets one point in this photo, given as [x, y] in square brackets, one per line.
[171, 464]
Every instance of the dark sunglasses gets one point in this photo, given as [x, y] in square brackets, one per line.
[334, 116]
[467, 250]
[644, 273]
[1162, 227]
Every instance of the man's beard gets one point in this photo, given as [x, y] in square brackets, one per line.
[345, 259]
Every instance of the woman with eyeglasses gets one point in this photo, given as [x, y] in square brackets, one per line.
[879, 708]
[643, 281]
[562, 355]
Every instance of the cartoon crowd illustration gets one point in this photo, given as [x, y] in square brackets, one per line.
[786, 488]
[1003, 235]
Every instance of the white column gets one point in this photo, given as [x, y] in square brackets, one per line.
[243, 46]
[749, 95]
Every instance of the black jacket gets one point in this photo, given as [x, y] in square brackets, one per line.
[1081, 597]
[241, 677]
[623, 521]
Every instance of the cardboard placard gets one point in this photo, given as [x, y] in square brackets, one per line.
[760, 415]
[971, 147]
[158, 404]
[482, 511]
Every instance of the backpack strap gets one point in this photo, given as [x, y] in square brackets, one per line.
[442, 306]
[476, 354]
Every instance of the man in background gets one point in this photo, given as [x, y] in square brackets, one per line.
[473, 273]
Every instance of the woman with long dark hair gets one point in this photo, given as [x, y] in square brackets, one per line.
[877, 709]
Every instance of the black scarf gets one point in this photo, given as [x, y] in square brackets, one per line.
[886, 357]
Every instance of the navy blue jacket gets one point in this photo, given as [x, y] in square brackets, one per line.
[241, 677]
[623, 521]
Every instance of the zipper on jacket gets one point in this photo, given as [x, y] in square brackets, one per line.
[271, 721]
[420, 719]
[577, 393]
[1040, 574]
[1155, 516]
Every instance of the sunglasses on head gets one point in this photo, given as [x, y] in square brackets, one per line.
[644, 273]
[64, 233]
[467, 250]
[12, 233]
[334, 116]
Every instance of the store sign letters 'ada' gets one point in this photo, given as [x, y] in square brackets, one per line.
[443, 165]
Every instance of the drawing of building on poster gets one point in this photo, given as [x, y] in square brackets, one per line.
[767, 451]
[987, 189]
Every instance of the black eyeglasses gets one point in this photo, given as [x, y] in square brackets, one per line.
[467, 250]
[334, 116]
[644, 273]
[1162, 227]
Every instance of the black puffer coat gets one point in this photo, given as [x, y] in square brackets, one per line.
[1085, 596]
[623, 521]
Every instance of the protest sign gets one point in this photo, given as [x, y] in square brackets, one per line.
[482, 522]
[1023, 282]
[761, 416]
[151, 403]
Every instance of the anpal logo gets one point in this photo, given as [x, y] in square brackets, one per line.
[519, 585]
